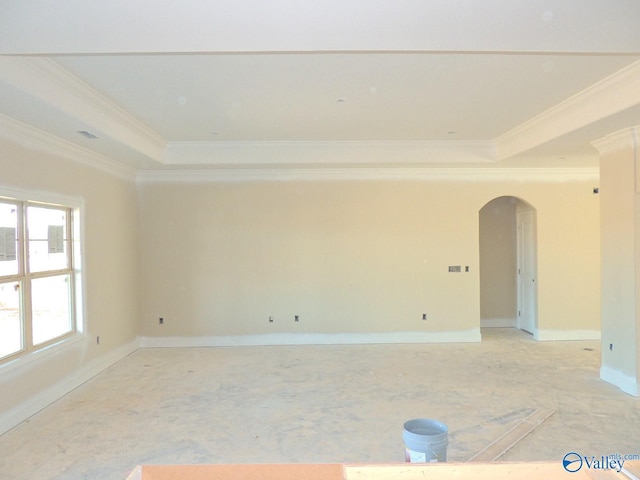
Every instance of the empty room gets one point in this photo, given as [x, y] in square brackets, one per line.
[275, 232]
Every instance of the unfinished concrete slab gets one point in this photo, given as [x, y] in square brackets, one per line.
[324, 404]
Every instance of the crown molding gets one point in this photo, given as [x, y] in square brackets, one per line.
[34, 139]
[607, 97]
[626, 142]
[327, 152]
[416, 173]
[625, 138]
[47, 81]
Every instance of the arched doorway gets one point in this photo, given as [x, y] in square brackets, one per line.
[508, 290]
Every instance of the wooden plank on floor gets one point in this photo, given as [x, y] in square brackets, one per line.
[605, 475]
[632, 469]
[502, 444]
[462, 471]
[406, 471]
[239, 472]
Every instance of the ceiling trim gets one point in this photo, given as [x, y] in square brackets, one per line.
[466, 174]
[327, 152]
[606, 97]
[627, 138]
[35, 139]
[50, 83]
[45, 80]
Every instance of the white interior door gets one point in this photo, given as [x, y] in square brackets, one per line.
[527, 289]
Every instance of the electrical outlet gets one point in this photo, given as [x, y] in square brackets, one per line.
[296, 318]
[424, 316]
[160, 321]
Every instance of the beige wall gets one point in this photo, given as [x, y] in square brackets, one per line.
[109, 223]
[348, 256]
[620, 266]
[498, 261]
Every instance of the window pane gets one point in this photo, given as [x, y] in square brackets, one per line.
[50, 301]
[8, 239]
[10, 326]
[48, 242]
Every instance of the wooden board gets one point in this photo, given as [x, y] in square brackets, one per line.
[502, 444]
[463, 471]
[632, 469]
[239, 472]
[406, 471]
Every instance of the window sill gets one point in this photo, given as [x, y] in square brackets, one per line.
[26, 359]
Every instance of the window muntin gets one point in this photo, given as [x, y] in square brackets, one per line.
[48, 238]
[37, 277]
[8, 239]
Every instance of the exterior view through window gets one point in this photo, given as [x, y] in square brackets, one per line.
[36, 276]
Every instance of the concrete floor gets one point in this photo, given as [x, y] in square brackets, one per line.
[323, 404]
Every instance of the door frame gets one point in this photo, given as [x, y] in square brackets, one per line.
[527, 281]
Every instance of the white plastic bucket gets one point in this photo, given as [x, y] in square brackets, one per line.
[425, 440]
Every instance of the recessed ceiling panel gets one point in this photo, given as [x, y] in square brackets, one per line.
[324, 97]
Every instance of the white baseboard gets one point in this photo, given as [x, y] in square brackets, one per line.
[566, 335]
[314, 339]
[626, 383]
[13, 417]
[498, 323]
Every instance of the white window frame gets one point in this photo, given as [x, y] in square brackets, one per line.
[74, 208]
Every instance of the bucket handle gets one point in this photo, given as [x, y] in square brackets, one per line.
[434, 453]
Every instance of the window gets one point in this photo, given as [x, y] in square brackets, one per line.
[37, 277]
